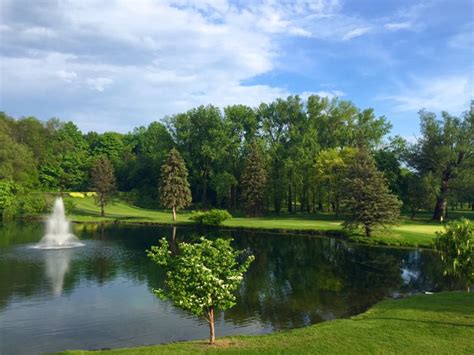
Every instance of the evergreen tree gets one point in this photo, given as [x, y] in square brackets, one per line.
[174, 188]
[367, 198]
[103, 182]
[254, 180]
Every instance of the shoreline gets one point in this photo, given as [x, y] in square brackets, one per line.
[432, 319]
[380, 241]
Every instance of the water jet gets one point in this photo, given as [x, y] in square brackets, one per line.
[58, 230]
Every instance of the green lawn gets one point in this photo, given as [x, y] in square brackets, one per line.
[424, 324]
[418, 233]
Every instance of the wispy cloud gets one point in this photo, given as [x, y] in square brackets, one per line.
[357, 32]
[451, 93]
[396, 26]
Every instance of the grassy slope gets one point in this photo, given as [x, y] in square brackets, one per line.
[424, 324]
[408, 233]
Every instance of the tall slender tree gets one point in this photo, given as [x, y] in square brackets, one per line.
[103, 182]
[367, 198]
[174, 188]
[254, 180]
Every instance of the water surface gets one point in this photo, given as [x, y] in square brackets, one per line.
[100, 295]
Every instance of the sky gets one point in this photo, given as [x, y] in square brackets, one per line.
[118, 64]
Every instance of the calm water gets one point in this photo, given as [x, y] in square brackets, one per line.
[100, 295]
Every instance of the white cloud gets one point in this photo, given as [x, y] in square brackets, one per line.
[396, 26]
[67, 76]
[463, 39]
[99, 84]
[356, 32]
[452, 94]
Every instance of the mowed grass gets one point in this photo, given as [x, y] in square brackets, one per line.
[418, 233]
[424, 324]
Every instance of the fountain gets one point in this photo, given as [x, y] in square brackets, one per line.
[58, 235]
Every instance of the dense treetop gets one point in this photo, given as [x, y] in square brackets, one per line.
[305, 145]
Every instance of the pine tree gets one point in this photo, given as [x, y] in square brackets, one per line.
[103, 182]
[254, 180]
[367, 198]
[174, 187]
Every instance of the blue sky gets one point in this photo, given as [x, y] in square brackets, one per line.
[115, 65]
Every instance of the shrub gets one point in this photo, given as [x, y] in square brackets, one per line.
[213, 217]
[69, 205]
[456, 247]
[27, 205]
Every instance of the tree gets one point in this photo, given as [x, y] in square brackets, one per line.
[456, 247]
[418, 192]
[445, 149]
[174, 187]
[331, 167]
[254, 180]
[103, 182]
[202, 277]
[367, 199]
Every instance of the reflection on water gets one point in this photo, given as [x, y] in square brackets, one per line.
[100, 295]
[56, 266]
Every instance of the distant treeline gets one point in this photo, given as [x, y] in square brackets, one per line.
[306, 146]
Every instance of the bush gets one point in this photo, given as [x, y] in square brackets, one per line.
[69, 205]
[456, 247]
[30, 204]
[210, 218]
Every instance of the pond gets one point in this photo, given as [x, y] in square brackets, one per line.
[100, 295]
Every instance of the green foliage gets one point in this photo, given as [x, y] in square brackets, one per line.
[201, 277]
[27, 204]
[103, 182]
[16, 161]
[254, 180]
[445, 150]
[331, 168]
[456, 247]
[367, 201]
[214, 217]
[174, 187]
[69, 205]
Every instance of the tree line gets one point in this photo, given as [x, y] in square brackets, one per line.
[303, 150]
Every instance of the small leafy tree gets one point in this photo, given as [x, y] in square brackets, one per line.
[174, 188]
[367, 201]
[254, 180]
[456, 247]
[103, 182]
[202, 277]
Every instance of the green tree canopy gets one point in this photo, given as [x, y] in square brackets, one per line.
[445, 149]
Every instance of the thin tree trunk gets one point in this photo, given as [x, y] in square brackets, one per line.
[174, 213]
[368, 231]
[212, 333]
[290, 198]
[102, 213]
[441, 202]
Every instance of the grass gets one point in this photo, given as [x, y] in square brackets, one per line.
[418, 233]
[424, 324]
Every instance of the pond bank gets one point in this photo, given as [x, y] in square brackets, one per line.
[417, 324]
